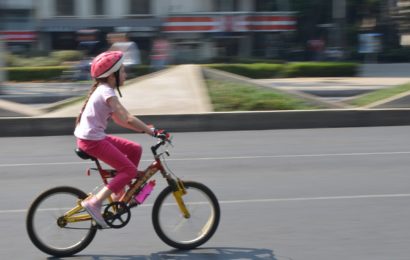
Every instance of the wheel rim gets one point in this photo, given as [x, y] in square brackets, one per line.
[196, 227]
[50, 230]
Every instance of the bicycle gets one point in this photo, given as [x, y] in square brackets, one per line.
[185, 214]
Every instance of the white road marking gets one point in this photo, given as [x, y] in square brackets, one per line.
[222, 158]
[317, 198]
[289, 156]
[374, 196]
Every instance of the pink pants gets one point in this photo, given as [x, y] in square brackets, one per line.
[121, 154]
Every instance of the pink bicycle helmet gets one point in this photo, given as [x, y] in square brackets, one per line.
[106, 63]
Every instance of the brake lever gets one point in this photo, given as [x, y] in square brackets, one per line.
[169, 141]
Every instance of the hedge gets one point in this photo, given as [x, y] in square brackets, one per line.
[18, 61]
[256, 70]
[67, 55]
[49, 73]
[321, 69]
[35, 73]
[292, 69]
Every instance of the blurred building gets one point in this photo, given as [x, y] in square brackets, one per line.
[401, 14]
[197, 30]
[17, 24]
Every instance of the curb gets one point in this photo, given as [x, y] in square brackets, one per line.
[220, 121]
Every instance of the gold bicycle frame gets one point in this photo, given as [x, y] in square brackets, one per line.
[72, 215]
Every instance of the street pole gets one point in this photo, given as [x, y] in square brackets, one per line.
[339, 17]
[2, 64]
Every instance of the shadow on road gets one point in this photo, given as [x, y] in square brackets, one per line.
[226, 253]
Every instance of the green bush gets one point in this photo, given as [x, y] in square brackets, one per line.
[67, 55]
[238, 60]
[35, 73]
[19, 61]
[9, 59]
[293, 69]
[256, 70]
[321, 69]
[54, 72]
[56, 58]
[37, 69]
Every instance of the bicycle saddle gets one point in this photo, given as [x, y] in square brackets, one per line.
[83, 155]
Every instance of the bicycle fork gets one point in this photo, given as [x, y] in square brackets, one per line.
[179, 191]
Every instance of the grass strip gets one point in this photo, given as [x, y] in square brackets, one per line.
[379, 95]
[229, 96]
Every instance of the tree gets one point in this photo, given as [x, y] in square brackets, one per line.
[376, 14]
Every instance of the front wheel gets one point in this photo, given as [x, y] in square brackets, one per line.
[50, 231]
[186, 233]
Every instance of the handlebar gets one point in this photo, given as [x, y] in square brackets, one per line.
[160, 143]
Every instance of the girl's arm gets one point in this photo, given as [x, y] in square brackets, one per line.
[122, 117]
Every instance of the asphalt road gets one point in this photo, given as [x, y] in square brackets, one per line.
[307, 194]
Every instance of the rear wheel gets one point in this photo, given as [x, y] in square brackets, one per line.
[186, 233]
[47, 228]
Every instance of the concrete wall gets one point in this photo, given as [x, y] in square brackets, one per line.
[221, 121]
[45, 9]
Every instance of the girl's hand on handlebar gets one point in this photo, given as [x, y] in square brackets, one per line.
[161, 134]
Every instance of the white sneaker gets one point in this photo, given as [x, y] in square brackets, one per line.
[118, 196]
[94, 209]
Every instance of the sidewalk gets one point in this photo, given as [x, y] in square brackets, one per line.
[371, 77]
[336, 87]
[385, 70]
[178, 90]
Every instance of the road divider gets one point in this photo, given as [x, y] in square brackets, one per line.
[220, 121]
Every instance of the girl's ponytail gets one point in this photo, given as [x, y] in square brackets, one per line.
[93, 88]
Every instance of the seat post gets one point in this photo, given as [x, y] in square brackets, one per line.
[98, 165]
[101, 171]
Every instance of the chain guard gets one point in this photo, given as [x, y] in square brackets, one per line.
[117, 214]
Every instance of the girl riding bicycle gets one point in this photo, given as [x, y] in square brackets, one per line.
[102, 104]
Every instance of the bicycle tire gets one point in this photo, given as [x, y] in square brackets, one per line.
[41, 222]
[199, 200]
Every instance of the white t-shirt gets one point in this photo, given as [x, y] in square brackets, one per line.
[95, 115]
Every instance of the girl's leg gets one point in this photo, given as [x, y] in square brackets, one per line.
[132, 150]
[126, 170]
[110, 154]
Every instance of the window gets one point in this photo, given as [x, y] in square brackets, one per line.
[65, 7]
[139, 7]
[227, 5]
[99, 7]
[11, 19]
[266, 6]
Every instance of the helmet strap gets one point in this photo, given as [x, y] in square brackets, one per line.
[117, 81]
